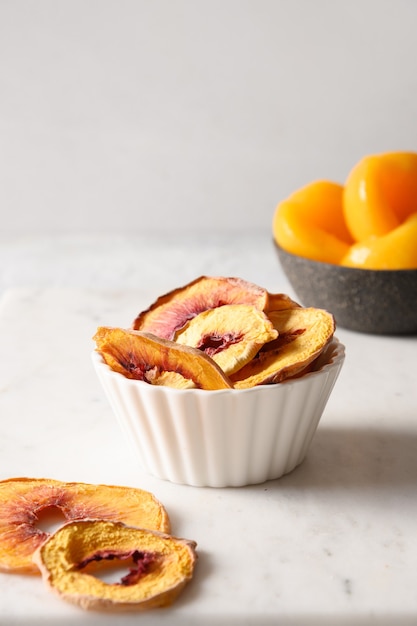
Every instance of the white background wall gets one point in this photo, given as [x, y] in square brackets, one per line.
[193, 115]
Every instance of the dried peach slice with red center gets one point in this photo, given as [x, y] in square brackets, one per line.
[171, 311]
[231, 334]
[302, 335]
[143, 356]
[22, 500]
[162, 565]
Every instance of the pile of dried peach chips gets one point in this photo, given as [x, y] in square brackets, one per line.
[218, 333]
[103, 526]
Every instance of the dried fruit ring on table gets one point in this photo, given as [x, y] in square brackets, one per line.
[23, 499]
[160, 565]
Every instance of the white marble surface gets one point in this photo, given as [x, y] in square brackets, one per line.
[136, 261]
[332, 543]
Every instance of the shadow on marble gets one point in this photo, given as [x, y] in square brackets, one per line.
[356, 458]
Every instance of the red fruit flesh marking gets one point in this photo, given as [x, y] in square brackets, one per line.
[181, 314]
[214, 343]
[141, 563]
[132, 365]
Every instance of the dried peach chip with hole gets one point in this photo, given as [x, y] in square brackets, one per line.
[171, 311]
[303, 334]
[161, 565]
[143, 356]
[22, 500]
[230, 334]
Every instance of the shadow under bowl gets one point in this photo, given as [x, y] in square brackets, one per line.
[382, 302]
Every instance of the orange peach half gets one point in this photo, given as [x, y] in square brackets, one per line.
[380, 194]
[310, 223]
[397, 250]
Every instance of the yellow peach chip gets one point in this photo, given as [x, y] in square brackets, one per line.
[230, 334]
[160, 565]
[303, 334]
[280, 301]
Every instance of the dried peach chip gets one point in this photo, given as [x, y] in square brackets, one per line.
[230, 334]
[160, 565]
[303, 334]
[143, 356]
[171, 311]
[22, 500]
[280, 301]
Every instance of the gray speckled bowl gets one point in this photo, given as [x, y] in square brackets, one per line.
[382, 302]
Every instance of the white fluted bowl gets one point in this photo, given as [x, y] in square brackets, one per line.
[225, 438]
